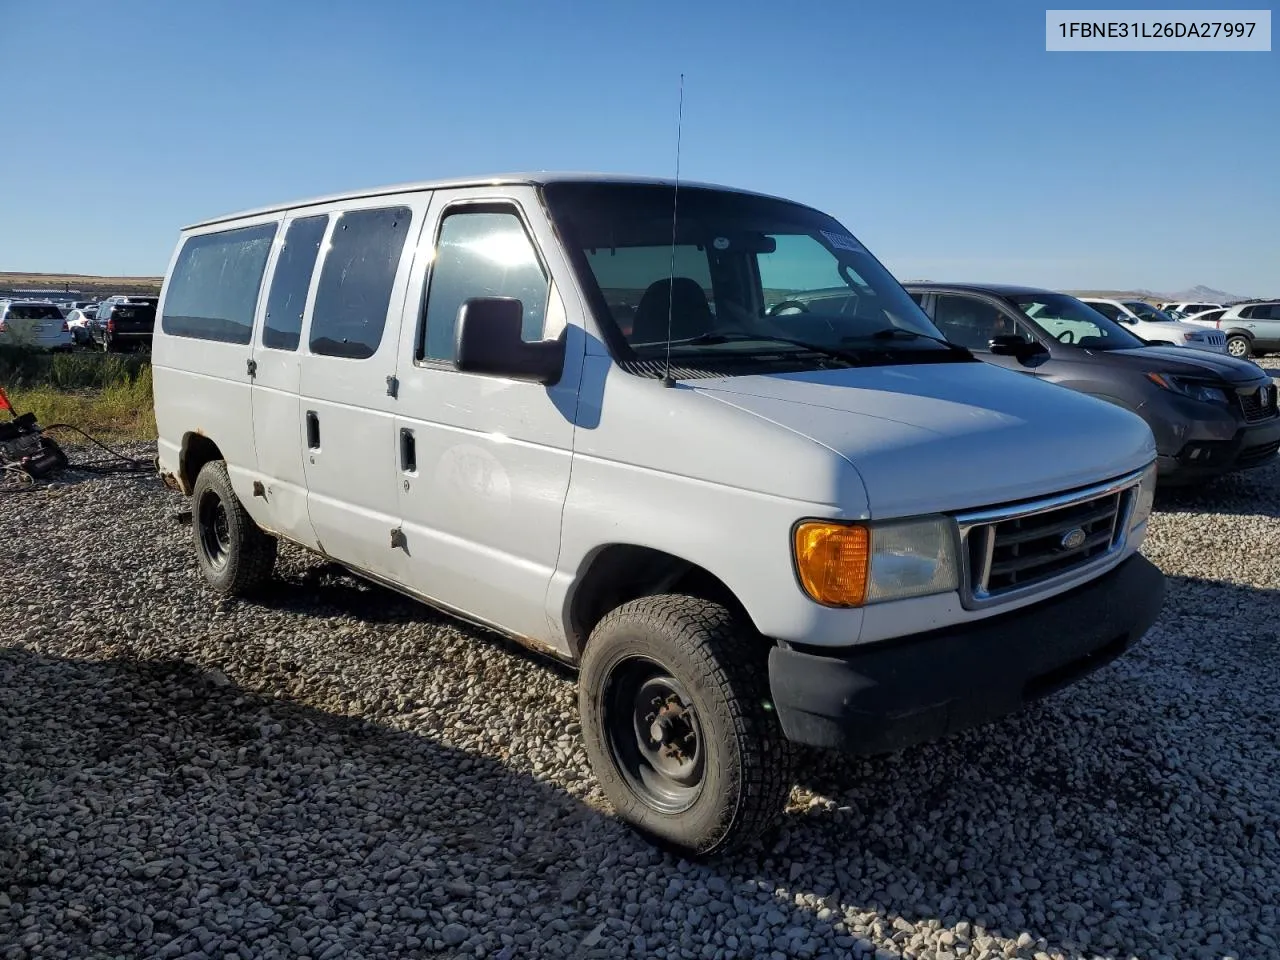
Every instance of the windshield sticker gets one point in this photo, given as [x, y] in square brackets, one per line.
[843, 241]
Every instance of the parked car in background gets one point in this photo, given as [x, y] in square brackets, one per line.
[823, 526]
[1147, 323]
[33, 323]
[1188, 307]
[80, 323]
[1210, 413]
[1206, 318]
[125, 323]
[1252, 329]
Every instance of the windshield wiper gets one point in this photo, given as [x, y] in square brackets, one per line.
[709, 339]
[895, 333]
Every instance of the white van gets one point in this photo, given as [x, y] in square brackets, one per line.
[719, 460]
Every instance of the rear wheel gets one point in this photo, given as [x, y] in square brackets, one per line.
[1239, 346]
[673, 695]
[234, 554]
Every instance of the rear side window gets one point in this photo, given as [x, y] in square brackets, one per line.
[213, 290]
[290, 282]
[1107, 310]
[355, 284]
[482, 254]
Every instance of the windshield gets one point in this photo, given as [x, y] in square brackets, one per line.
[1075, 323]
[747, 276]
[34, 311]
[1147, 312]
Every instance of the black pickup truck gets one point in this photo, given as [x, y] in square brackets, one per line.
[125, 323]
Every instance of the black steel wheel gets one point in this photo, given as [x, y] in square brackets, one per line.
[655, 734]
[234, 554]
[674, 699]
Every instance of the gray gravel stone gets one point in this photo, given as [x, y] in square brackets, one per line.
[335, 771]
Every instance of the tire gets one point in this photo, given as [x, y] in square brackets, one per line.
[1239, 346]
[234, 554]
[696, 651]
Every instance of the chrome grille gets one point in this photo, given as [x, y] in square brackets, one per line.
[1010, 551]
[1258, 404]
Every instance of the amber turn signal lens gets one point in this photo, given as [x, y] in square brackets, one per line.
[832, 560]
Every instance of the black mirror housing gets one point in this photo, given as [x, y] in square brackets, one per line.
[488, 342]
[1011, 345]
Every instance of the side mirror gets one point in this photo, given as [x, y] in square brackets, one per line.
[1011, 345]
[488, 342]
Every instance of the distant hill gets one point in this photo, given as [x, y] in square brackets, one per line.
[1202, 292]
[1196, 293]
[81, 284]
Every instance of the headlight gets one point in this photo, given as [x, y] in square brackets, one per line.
[849, 565]
[1189, 388]
[1145, 498]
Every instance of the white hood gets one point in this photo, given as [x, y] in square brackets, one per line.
[948, 436]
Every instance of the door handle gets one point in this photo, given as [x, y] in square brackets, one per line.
[313, 430]
[408, 451]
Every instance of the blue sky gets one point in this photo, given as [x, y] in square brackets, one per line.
[942, 134]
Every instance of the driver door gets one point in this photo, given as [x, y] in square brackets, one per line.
[972, 321]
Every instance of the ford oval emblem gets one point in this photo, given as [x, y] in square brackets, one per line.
[1073, 539]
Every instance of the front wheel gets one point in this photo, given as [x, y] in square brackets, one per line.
[1239, 346]
[674, 700]
[234, 554]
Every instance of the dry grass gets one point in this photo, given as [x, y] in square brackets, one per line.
[119, 411]
[86, 284]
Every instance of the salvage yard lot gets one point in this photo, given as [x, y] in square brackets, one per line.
[338, 772]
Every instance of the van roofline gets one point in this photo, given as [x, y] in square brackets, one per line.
[541, 178]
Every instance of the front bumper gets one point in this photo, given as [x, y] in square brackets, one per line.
[1254, 445]
[913, 689]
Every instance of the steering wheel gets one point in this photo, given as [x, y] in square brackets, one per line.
[777, 308]
[1067, 336]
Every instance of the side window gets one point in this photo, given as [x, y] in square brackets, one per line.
[213, 290]
[917, 297]
[1266, 311]
[971, 322]
[480, 254]
[290, 281]
[350, 311]
[1108, 310]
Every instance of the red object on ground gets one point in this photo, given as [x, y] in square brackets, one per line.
[4, 402]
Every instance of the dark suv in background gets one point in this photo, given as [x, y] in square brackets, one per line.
[125, 323]
[1210, 413]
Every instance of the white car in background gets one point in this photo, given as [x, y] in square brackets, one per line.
[1205, 318]
[33, 323]
[80, 323]
[1188, 307]
[1150, 324]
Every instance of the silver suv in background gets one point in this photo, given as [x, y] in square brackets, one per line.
[1252, 329]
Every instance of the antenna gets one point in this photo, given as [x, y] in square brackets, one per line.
[675, 206]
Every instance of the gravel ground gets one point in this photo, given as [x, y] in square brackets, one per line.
[342, 773]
